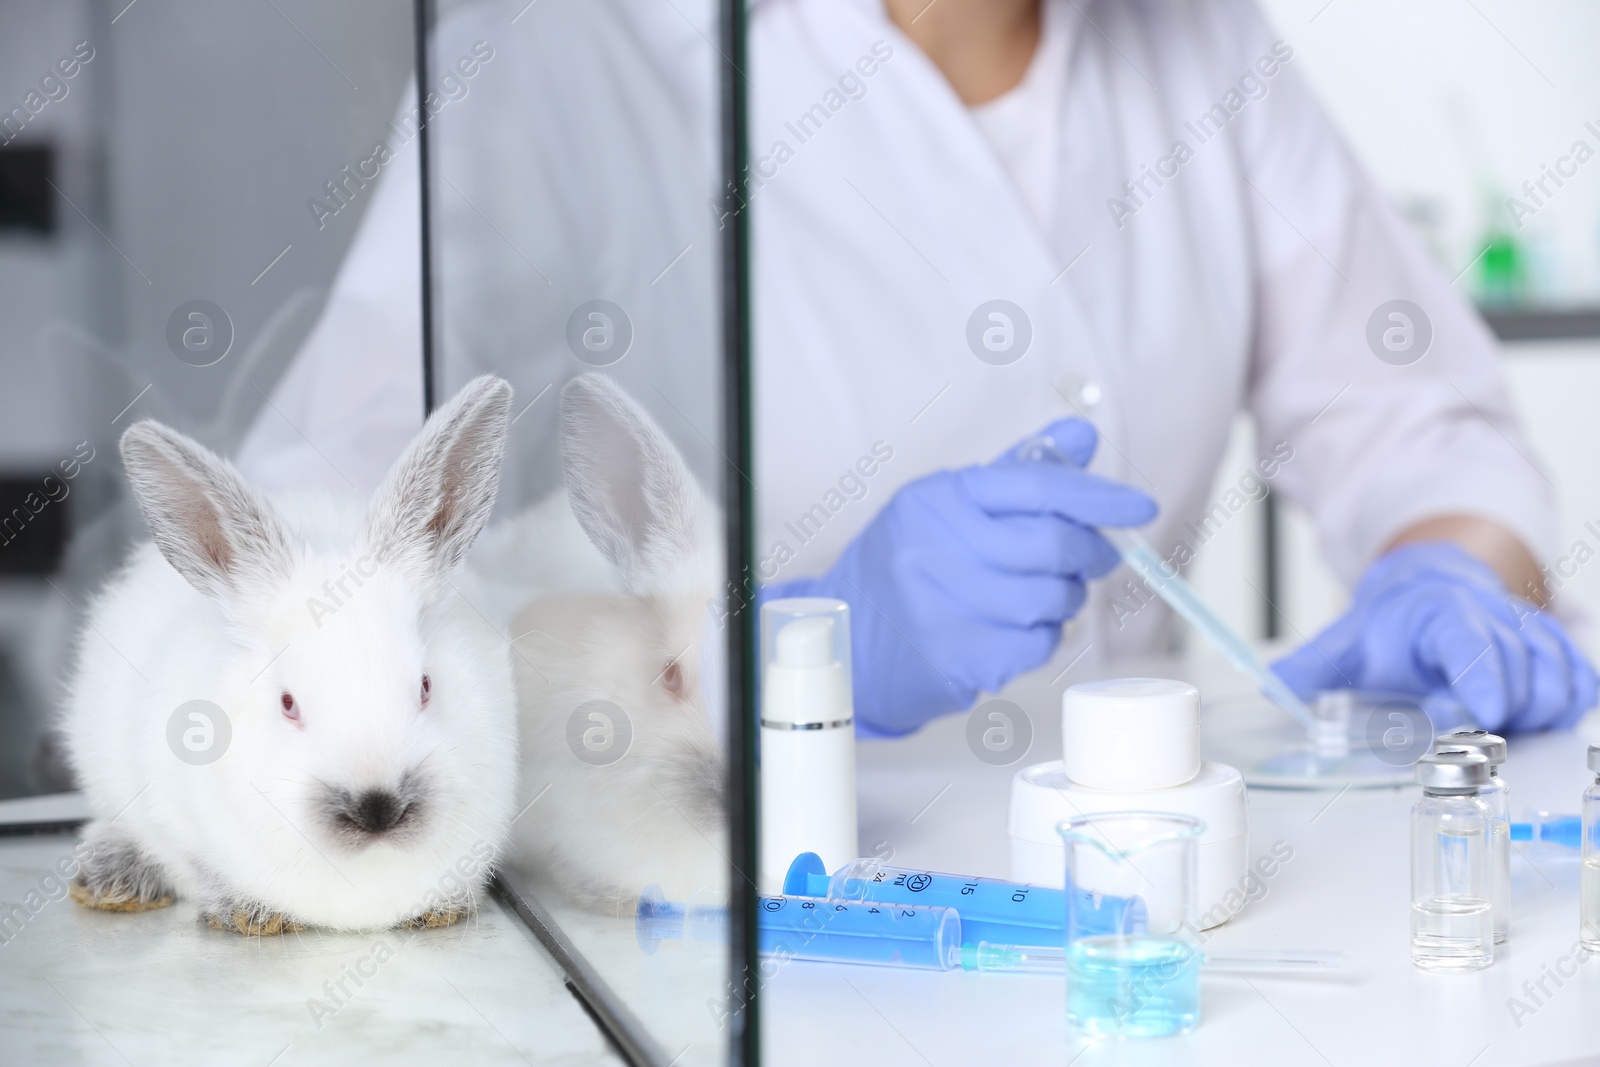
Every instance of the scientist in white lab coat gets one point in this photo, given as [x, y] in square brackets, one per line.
[1115, 223]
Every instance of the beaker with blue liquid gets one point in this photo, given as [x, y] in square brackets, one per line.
[1132, 982]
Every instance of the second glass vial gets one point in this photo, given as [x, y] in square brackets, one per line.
[1589, 902]
[1496, 794]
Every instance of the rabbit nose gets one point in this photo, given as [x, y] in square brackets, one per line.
[377, 810]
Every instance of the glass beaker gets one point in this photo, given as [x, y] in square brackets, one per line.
[1143, 979]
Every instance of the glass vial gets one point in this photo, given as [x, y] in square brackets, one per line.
[1589, 906]
[1497, 795]
[1452, 880]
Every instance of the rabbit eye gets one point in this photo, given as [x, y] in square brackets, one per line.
[427, 687]
[672, 678]
[291, 710]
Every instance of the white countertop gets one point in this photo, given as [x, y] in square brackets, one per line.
[162, 989]
[1346, 887]
[83, 987]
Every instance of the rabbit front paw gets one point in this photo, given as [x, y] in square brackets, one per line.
[116, 876]
[446, 916]
[252, 920]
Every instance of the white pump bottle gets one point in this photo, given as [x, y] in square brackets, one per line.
[808, 737]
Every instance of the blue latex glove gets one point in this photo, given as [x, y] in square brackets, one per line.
[1431, 620]
[963, 580]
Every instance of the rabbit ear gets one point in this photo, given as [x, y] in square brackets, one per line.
[630, 489]
[435, 499]
[214, 529]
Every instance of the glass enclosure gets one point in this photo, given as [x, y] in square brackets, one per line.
[289, 234]
[574, 161]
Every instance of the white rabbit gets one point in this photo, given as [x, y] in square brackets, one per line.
[355, 767]
[622, 568]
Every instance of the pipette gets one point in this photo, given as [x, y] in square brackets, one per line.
[883, 934]
[1182, 598]
[1165, 582]
[1052, 960]
[991, 909]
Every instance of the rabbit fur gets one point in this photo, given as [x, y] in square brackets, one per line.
[349, 795]
[617, 575]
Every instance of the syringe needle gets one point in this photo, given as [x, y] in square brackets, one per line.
[1051, 960]
[1274, 960]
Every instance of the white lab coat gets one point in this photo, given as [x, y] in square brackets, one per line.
[1243, 281]
[576, 164]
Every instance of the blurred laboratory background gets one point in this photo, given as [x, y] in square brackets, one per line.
[1452, 108]
[131, 189]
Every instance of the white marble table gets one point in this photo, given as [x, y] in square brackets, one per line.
[1346, 887]
[163, 990]
[78, 987]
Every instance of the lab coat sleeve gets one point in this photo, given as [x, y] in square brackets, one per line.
[352, 398]
[1377, 445]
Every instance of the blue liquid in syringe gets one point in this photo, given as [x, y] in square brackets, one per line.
[992, 910]
[836, 931]
[859, 932]
[1563, 830]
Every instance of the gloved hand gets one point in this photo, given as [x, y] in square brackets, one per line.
[1429, 619]
[963, 580]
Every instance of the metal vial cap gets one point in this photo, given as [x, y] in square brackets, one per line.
[1594, 758]
[1493, 746]
[1451, 771]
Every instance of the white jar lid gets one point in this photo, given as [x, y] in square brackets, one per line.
[1131, 733]
[1042, 797]
[1131, 704]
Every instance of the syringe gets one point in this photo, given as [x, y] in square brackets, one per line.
[1181, 597]
[991, 909]
[1563, 830]
[829, 931]
[884, 934]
